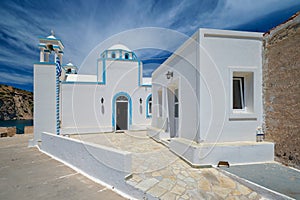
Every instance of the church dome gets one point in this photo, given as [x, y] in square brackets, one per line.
[119, 46]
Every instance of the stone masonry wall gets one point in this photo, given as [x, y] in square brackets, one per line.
[281, 89]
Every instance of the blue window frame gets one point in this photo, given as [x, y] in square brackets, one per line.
[149, 106]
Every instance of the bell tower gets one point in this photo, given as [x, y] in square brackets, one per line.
[47, 87]
[48, 45]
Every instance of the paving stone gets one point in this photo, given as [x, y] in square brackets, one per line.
[168, 196]
[189, 179]
[177, 189]
[157, 191]
[162, 174]
[166, 183]
[156, 173]
[185, 196]
[181, 177]
[196, 175]
[176, 171]
[253, 195]
[181, 183]
[232, 198]
[184, 173]
[204, 185]
[146, 184]
[236, 193]
[223, 192]
[226, 182]
[210, 177]
[136, 178]
[159, 178]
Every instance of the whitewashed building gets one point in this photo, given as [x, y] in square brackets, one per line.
[117, 97]
[206, 103]
[207, 99]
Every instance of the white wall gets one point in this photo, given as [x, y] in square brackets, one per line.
[44, 99]
[221, 53]
[204, 71]
[82, 110]
[183, 64]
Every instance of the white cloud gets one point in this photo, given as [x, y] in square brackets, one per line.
[8, 77]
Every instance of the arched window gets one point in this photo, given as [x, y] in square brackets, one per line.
[113, 55]
[122, 98]
[126, 56]
[149, 106]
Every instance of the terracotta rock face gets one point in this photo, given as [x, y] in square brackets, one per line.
[15, 103]
[281, 89]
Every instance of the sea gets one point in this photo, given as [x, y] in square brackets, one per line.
[19, 124]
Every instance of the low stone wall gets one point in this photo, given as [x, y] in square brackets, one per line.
[28, 129]
[8, 131]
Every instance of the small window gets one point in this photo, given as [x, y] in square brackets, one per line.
[176, 104]
[242, 91]
[238, 93]
[69, 71]
[150, 105]
[126, 56]
[113, 55]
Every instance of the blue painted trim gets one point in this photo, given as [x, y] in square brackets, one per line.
[139, 73]
[148, 115]
[103, 82]
[57, 105]
[103, 72]
[65, 66]
[114, 107]
[120, 57]
[57, 39]
[146, 85]
[81, 82]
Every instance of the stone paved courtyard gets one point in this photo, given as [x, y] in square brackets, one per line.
[159, 172]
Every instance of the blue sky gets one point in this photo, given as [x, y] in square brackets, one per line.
[83, 24]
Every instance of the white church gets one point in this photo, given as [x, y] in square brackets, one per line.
[205, 99]
[118, 97]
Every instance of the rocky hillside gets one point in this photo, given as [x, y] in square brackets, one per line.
[15, 103]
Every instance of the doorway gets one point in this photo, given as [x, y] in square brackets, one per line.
[173, 108]
[122, 113]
